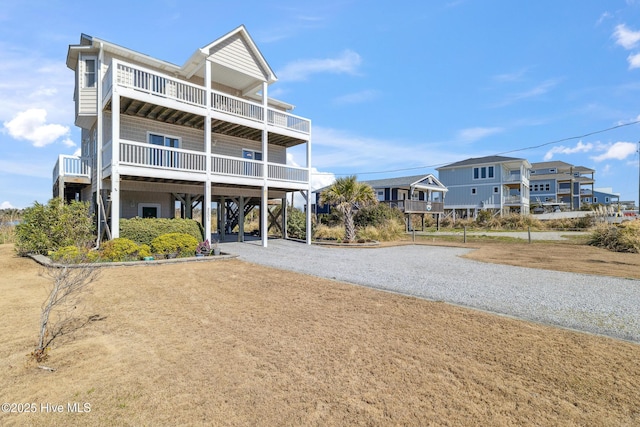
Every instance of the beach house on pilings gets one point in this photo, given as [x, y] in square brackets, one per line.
[157, 135]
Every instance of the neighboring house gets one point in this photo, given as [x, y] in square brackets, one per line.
[413, 195]
[418, 194]
[604, 196]
[561, 184]
[156, 135]
[495, 183]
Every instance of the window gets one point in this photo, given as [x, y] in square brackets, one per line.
[380, 195]
[547, 187]
[251, 168]
[595, 200]
[149, 210]
[89, 73]
[553, 170]
[496, 190]
[162, 156]
[483, 172]
[474, 190]
[606, 200]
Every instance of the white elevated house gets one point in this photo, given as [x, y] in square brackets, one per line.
[156, 135]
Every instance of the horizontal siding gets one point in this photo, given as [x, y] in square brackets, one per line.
[129, 201]
[235, 54]
[88, 101]
[136, 128]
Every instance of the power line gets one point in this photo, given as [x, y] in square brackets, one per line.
[497, 154]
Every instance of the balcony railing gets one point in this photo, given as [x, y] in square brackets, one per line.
[140, 154]
[177, 159]
[151, 82]
[71, 166]
[416, 206]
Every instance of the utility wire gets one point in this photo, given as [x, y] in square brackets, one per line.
[497, 154]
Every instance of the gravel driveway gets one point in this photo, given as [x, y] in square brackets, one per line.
[596, 304]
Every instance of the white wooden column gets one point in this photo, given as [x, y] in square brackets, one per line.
[265, 168]
[206, 203]
[115, 163]
[309, 201]
[99, 135]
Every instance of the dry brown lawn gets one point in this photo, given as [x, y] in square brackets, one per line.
[231, 343]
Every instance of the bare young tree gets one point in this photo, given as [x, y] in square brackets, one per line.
[68, 284]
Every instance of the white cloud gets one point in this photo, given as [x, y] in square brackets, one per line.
[356, 98]
[580, 147]
[625, 37]
[634, 61]
[31, 125]
[6, 205]
[474, 134]
[347, 63]
[617, 151]
[318, 180]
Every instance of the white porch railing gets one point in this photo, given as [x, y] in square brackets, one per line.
[154, 83]
[288, 173]
[142, 154]
[236, 106]
[236, 166]
[71, 166]
[147, 81]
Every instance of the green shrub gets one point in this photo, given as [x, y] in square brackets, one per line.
[484, 218]
[47, 228]
[178, 244]
[297, 224]
[144, 251]
[119, 249]
[377, 215]
[67, 254]
[622, 238]
[144, 230]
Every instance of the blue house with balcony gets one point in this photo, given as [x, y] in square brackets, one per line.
[494, 183]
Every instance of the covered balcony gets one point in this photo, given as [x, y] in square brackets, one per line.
[150, 94]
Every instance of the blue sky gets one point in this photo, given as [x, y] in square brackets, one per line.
[396, 88]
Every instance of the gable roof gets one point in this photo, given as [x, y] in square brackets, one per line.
[426, 182]
[236, 61]
[482, 160]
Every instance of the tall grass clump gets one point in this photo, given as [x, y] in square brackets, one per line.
[392, 229]
[618, 238]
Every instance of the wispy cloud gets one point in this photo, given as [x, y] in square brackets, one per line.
[346, 63]
[617, 151]
[533, 92]
[580, 147]
[31, 125]
[32, 169]
[357, 97]
[603, 17]
[625, 37]
[335, 149]
[474, 134]
[515, 76]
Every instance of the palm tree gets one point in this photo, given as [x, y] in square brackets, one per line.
[346, 194]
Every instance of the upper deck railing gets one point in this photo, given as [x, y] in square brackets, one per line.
[155, 83]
